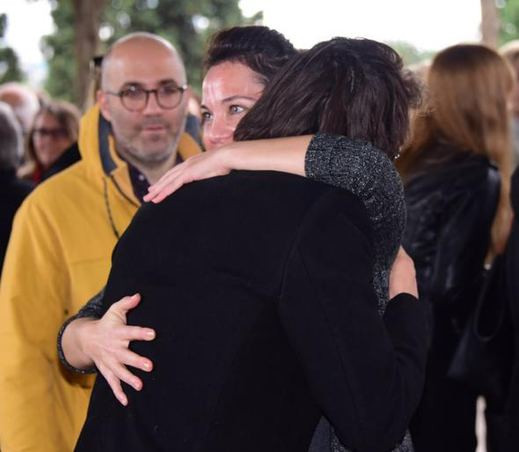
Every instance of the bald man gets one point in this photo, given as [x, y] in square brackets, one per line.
[63, 235]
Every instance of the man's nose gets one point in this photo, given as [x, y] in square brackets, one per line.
[152, 105]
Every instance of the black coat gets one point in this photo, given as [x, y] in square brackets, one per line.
[451, 200]
[12, 192]
[512, 271]
[68, 158]
[259, 286]
[449, 215]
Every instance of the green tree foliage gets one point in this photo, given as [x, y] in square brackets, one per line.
[509, 16]
[58, 50]
[9, 66]
[186, 23]
[409, 53]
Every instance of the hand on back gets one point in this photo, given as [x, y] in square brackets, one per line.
[106, 341]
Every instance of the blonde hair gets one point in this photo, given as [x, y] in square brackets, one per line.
[468, 89]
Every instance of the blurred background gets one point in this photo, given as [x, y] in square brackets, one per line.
[51, 44]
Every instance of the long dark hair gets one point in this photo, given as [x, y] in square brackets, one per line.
[351, 87]
[260, 48]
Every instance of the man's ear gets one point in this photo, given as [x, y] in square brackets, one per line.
[102, 100]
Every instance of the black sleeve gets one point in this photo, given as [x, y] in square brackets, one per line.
[366, 372]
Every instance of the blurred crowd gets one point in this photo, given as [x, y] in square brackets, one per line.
[457, 168]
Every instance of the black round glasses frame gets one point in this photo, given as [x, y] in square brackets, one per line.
[124, 94]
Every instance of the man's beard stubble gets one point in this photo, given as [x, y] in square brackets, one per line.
[148, 152]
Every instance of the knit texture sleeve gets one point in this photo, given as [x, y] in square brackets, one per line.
[363, 169]
[93, 309]
[367, 172]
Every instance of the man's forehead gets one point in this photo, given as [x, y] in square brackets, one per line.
[147, 71]
[146, 62]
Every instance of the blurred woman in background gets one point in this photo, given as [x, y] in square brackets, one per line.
[54, 131]
[456, 170]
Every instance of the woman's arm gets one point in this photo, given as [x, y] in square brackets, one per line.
[87, 340]
[275, 154]
[335, 160]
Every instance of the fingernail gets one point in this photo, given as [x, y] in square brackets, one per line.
[147, 366]
[150, 334]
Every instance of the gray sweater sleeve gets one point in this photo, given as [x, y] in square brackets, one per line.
[93, 309]
[367, 172]
[364, 170]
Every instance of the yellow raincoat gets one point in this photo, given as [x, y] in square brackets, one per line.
[58, 257]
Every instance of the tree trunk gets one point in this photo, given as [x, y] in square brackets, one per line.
[489, 23]
[87, 19]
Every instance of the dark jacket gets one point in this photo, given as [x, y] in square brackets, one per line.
[68, 158]
[12, 192]
[512, 270]
[451, 201]
[260, 288]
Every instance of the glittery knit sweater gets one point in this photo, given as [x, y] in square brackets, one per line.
[368, 173]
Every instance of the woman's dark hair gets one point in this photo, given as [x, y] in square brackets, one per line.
[351, 87]
[263, 50]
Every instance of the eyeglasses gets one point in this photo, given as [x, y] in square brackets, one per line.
[135, 98]
[52, 133]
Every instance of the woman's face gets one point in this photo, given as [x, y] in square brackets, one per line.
[50, 139]
[229, 90]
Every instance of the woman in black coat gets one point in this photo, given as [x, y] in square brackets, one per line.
[456, 173]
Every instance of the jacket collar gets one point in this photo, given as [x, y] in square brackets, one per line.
[97, 150]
